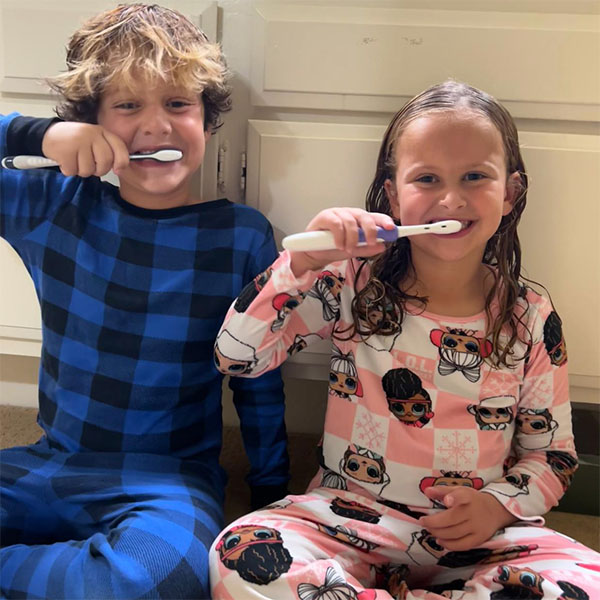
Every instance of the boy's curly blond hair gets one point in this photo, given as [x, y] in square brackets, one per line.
[139, 44]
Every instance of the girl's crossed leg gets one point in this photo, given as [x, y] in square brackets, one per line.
[333, 544]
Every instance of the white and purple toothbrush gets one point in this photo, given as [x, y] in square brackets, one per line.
[323, 240]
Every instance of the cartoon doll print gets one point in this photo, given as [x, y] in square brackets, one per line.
[485, 556]
[518, 583]
[450, 479]
[554, 340]
[251, 290]
[571, 591]
[460, 350]
[233, 355]
[333, 588]
[343, 375]
[328, 289]
[392, 577]
[493, 413]
[331, 479]
[351, 509]
[365, 466]
[377, 317]
[347, 536]
[454, 590]
[563, 465]
[302, 341]
[536, 427]
[256, 552]
[407, 400]
[520, 483]
[422, 541]
[284, 304]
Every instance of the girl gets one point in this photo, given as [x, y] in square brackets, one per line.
[447, 459]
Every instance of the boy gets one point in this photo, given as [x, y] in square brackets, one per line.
[122, 497]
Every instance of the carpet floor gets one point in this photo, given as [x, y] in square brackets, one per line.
[18, 428]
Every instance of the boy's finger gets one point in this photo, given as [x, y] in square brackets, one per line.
[86, 165]
[103, 157]
[119, 150]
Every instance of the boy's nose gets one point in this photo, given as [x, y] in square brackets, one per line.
[156, 122]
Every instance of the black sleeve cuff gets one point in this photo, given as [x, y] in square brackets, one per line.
[25, 135]
[261, 495]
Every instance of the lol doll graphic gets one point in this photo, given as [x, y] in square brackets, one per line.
[460, 350]
[407, 400]
[493, 413]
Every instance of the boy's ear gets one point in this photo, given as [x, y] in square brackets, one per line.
[207, 135]
[392, 195]
[514, 187]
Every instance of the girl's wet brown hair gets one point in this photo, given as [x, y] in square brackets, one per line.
[137, 45]
[392, 270]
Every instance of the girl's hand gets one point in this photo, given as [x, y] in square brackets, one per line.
[343, 223]
[84, 150]
[472, 517]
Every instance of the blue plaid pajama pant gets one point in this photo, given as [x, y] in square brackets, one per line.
[105, 525]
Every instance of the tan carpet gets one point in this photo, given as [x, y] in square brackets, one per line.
[18, 427]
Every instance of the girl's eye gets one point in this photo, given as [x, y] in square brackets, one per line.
[474, 176]
[426, 179]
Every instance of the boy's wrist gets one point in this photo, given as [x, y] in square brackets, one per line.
[26, 134]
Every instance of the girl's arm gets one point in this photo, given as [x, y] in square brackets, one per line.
[298, 301]
[545, 457]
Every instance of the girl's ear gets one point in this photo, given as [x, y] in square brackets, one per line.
[514, 187]
[392, 195]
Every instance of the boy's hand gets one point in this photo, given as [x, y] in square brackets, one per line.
[84, 150]
[343, 224]
[472, 517]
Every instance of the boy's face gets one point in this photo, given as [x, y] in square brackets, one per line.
[150, 118]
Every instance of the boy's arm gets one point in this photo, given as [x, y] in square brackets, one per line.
[260, 404]
[25, 135]
[28, 198]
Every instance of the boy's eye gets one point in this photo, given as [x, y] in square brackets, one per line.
[126, 105]
[178, 104]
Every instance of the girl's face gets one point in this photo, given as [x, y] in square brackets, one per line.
[451, 165]
[148, 119]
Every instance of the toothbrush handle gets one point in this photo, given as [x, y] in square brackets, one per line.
[24, 161]
[323, 240]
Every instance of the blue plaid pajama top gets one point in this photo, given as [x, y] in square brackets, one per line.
[131, 302]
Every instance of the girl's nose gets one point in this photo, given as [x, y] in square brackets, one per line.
[452, 199]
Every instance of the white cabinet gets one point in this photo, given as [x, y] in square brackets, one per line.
[317, 82]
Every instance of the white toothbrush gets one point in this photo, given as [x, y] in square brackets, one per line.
[24, 161]
[323, 240]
